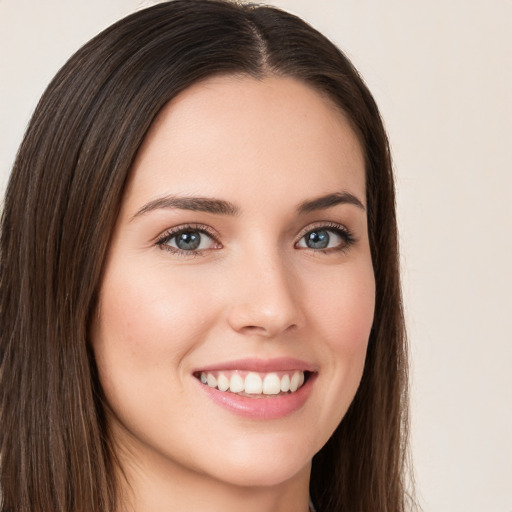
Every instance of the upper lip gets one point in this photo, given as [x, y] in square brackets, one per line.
[261, 365]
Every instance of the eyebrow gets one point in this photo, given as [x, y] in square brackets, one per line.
[222, 207]
[199, 204]
[328, 201]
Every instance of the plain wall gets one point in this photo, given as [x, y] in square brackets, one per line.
[441, 72]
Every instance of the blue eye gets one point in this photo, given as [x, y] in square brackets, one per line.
[324, 237]
[183, 240]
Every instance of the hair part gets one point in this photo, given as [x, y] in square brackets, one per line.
[60, 209]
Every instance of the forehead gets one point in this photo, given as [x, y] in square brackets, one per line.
[231, 134]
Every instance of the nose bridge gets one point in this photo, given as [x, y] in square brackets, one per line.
[265, 301]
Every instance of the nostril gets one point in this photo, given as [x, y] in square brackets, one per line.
[265, 331]
[253, 329]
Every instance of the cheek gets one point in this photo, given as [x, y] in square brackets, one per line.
[144, 329]
[342, 314]
[343, 310]
[147, 317]
[146, 325]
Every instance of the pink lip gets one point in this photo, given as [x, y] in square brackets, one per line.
[261, 365]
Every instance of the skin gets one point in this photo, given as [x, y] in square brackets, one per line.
[255, 289]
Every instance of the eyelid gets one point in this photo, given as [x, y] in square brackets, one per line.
[340, 229]
[170, 233]
[323, 225]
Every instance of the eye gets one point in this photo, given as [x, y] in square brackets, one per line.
[326, 237]
[188, 239]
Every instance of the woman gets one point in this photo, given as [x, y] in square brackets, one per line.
[200, 301]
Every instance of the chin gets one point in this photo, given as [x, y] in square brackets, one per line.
[263, 464]
[269, 474]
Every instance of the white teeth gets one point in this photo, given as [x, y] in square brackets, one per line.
[271, 384]
[294, 383]
[285, 383]
[211, 380]
[222, 382]
[254, 383]
[237, 383]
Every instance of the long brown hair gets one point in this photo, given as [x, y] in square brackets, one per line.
[61, 204]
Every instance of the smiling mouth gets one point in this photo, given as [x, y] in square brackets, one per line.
[254, 384]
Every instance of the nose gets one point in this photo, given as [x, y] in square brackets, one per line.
[266, 301]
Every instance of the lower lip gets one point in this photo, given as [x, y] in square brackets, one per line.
[266, 408]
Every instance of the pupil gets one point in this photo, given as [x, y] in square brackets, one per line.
[318, 240]
[188, 241]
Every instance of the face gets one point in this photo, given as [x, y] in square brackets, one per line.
[238, 292]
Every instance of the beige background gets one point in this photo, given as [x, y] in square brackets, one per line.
[442, 74]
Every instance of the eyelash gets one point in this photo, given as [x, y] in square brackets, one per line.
[340, 230]
[174, 232]
[346, 235]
